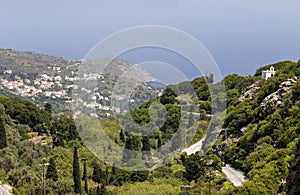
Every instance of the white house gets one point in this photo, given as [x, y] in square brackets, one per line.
[268, 73]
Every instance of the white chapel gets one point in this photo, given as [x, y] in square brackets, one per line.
[268, 73]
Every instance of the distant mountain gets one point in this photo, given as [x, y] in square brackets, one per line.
[115, 68]
[28, 62]
[156, 84]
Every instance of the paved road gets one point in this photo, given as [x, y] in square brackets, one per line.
[3, 191]
[194, 148]
[235, 176]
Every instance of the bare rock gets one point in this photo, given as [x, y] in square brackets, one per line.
[250, 92]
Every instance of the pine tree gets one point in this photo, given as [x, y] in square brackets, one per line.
[76, 173]
[85, 178]
[51, 170]
[3, 140]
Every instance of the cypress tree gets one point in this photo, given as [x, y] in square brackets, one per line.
[122, 136]
[51, 170]
[98, 191]
[76, 173]
[159, 143]
[3, 140]
[85, 178]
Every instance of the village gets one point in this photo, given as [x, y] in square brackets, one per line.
[54, 87]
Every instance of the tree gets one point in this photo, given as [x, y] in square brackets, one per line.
[48, 108]
[146, 143]
[194, 166]
[63, 128]
[159, 142]
[3, 140]
[168, 96]
[132, 145]
[76, 172]
[51, 170]
[122, 136]
[57, 139]
[146, 146]
[103, 190]
[73, 133]
[98, 175]
[85, 178]
[98, 190]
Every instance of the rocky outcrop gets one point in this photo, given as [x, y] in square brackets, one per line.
[293, 178]
[275, 99]
[250, 92]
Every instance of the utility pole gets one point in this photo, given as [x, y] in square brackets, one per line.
[44, 165]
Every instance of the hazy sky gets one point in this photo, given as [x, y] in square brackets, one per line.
[240, 35]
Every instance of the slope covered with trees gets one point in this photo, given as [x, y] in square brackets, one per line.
[259, 137]
[262, 130]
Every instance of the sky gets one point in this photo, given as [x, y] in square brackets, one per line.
[240, 35]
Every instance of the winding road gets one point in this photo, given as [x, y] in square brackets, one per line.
[3, 191]
[235, 176]
[194, 148]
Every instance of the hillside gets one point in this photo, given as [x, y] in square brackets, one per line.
[42, 78]
[259, 136]
[262, 128]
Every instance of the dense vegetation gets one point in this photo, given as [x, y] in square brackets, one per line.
[263, 139]
[259, 140]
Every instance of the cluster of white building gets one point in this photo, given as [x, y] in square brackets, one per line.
[42, 85]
